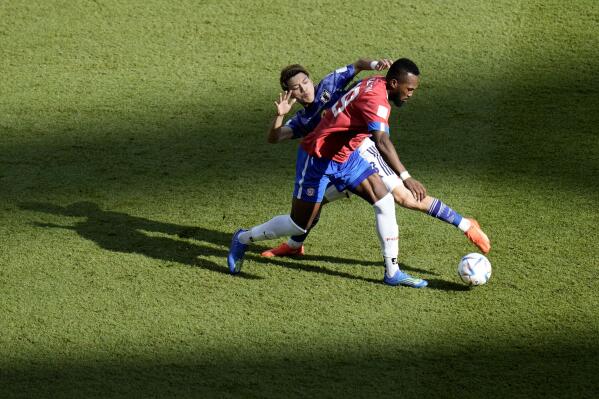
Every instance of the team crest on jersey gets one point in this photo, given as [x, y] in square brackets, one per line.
[325, 97]
[310, 192]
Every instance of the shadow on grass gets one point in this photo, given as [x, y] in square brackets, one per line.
[120, 232]
[443, 285]
[379, 263]
[297, 262]
[552, 370]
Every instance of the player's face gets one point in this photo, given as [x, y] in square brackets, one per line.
[301, 88]
[400, 92]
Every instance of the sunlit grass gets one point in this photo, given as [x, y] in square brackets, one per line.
[132, 146]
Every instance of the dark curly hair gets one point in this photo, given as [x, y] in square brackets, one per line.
[401, 68]
[290, 71]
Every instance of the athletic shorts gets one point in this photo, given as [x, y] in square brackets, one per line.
[313, 174]
[371, 154]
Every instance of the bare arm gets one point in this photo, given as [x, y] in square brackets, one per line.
[277, 131]
[387, 150]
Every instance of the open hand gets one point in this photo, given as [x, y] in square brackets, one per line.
[284, 103]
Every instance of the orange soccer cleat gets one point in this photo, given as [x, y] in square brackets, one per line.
[283, 250]
[478, 237]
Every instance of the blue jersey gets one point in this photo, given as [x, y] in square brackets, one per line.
[326, 93]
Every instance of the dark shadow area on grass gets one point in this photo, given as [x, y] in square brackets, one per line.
[120, 232]
[406, 268]
[202, 234]
[533, 141]
[555, 371]
[378, 263]
[298, 262]
[443, 285]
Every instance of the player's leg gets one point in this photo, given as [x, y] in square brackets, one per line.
[429, 205]
[308, 193]
[302, 214]
[366, 183]
[295, 245]
[436, 208]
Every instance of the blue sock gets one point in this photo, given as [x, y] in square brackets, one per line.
[442, 212]
[302, 238]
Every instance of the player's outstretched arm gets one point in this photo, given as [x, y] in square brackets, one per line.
[387, 150]
[277, 131]
[366, 64]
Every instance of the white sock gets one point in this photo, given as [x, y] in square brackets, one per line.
[278, 226]
[387, 231]
[464, 225]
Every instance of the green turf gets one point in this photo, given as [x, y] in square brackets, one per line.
[132, 144]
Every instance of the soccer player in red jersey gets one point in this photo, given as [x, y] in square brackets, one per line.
[298, 86]
[327, 155]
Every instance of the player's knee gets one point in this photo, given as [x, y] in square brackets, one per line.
[385, 205]
[378, 187]
[403, 198]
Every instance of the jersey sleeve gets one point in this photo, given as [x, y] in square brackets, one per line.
[295, 125]
[339, 78]
[344, 75]
[376, 112]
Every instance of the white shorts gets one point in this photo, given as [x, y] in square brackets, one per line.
[370, 153]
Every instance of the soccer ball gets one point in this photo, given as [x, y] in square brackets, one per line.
[474, 269]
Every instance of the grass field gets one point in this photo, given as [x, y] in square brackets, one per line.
[132, 145]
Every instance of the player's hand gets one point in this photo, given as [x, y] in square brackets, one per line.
[284, 103]
[417, 189]
[383, 64]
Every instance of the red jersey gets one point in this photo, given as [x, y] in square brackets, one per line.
[343, 127]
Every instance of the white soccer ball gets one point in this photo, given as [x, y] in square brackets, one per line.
[474, 269]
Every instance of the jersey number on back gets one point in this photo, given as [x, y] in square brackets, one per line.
[344, 101]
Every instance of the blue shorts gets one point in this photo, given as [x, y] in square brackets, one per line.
[313, 175]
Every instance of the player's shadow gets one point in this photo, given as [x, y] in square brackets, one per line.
[299, 262]
[120, 232]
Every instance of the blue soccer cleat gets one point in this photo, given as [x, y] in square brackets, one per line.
[401, 278]
[236, 253]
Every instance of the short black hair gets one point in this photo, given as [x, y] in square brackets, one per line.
[290, 71]
[401, 68]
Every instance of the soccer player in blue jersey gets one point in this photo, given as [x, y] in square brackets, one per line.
[407, 192]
